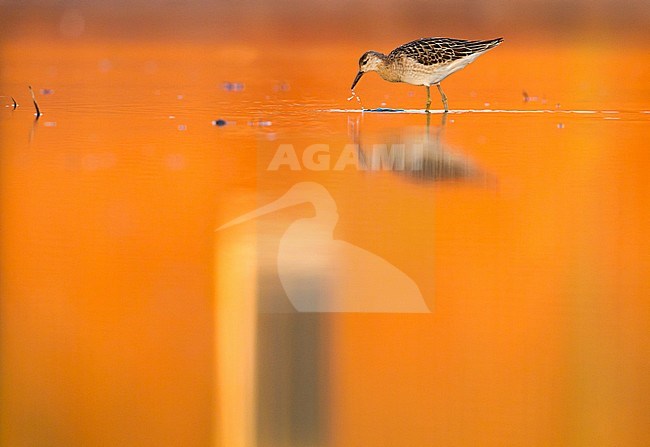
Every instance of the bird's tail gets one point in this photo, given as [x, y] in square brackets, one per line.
[484, 45]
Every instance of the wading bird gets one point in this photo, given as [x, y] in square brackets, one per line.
[424, 61]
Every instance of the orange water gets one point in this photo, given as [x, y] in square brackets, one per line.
[127, 319]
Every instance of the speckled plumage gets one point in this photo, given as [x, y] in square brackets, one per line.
[440, 50]
[424, 61]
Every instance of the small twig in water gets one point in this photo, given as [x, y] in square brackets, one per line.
[15, 103]
[38, 111]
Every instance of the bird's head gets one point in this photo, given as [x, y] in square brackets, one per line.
[370, 61]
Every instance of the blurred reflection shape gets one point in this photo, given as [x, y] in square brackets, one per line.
[418, 153]
[320, 275]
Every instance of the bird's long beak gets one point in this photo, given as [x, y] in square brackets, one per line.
[356, 79]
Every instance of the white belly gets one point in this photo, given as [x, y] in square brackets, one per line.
[418, 74]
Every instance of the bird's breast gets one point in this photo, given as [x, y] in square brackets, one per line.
[392, 72]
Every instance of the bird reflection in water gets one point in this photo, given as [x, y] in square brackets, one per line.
[321, 275]
[416, 153]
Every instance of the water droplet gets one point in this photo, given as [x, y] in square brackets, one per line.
[232, 86]
[281, 87]
[354, 95]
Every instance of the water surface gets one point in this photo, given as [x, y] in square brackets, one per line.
[506, 243]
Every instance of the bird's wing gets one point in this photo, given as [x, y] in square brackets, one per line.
[440, 50]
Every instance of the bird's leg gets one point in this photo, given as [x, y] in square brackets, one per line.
[444, 97]
[428, 98]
